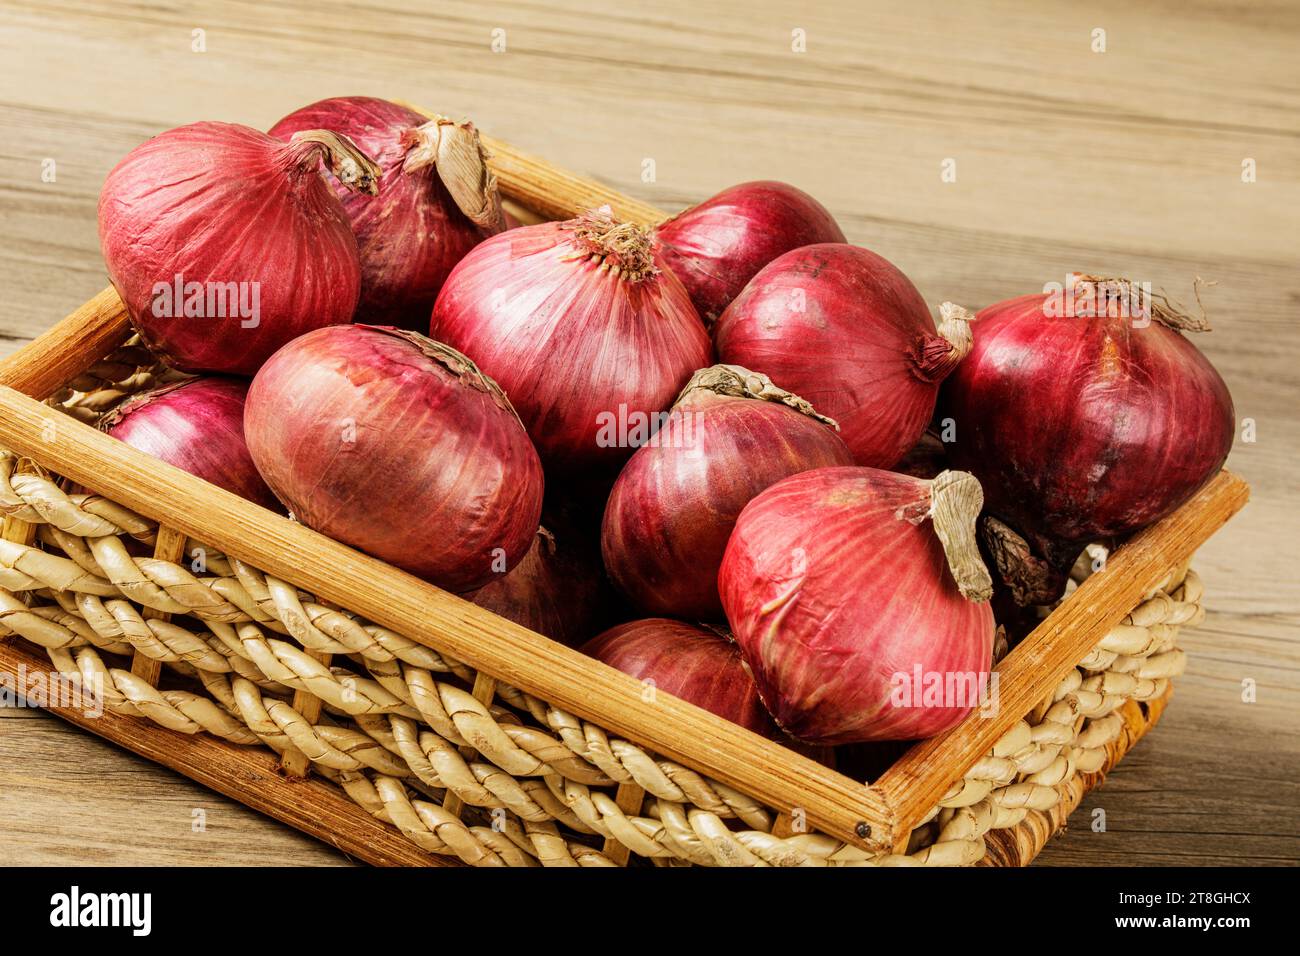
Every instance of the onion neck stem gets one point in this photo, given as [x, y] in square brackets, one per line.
[739, 382]
[956, 500]
[939, 354]
[345, 160]
[459, 160]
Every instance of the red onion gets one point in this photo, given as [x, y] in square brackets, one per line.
[437, 200]
[698, 665]
[1082, 423]
[198, 426]
[585, 331]
[399, 446]
[719, 245]
[850, 606]
[846, 330]
[730, 434]
[558, 589]
[225, 243]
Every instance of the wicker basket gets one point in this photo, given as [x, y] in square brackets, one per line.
[406, 726]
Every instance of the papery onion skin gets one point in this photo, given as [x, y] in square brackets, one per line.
[834, 581]
[696, 664]
[1082, 428]
[400, 447]
[220, 204]
[198, 426]
[675, 502]
[846, 330]
[558, 589]
[581, 326]
[411, 235]
[716, 247]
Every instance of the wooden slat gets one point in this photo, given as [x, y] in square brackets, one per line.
[482, 640]
[485, 688]
[44, 365]
[295, 763]
[170, 546]
[629, 798]
[912, 786]
[558, 194]
[247, 774]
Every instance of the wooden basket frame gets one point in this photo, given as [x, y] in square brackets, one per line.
[877, 818]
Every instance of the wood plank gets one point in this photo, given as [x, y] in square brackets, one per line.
[70, 798]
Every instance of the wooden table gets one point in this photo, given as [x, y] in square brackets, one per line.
[1124, 161]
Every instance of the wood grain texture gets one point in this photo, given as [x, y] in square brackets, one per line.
[1124, 162]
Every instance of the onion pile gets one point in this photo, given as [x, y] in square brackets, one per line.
[224, 243]
[730, 434]
[698, 665]
[198, 426]
[748, 492]
[436, 200]
[717, 246]
[846, 330]
[851, 592]
[587, 334]
[1082, 423]
[400, 447]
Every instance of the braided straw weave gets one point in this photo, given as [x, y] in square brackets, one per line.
[514, 782]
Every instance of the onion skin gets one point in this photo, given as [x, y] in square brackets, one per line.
[834, 580]
[197, 426]
[558, 590]
[698, 665]
[400, 447]
[409, 236]
[223, 203]
[864, 349]
[1082, 428]
[716, 247]
[576, 331]
[673, 507]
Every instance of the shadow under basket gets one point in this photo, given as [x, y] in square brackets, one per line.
[405, 726]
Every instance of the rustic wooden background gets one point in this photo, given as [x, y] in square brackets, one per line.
[1125, 161]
